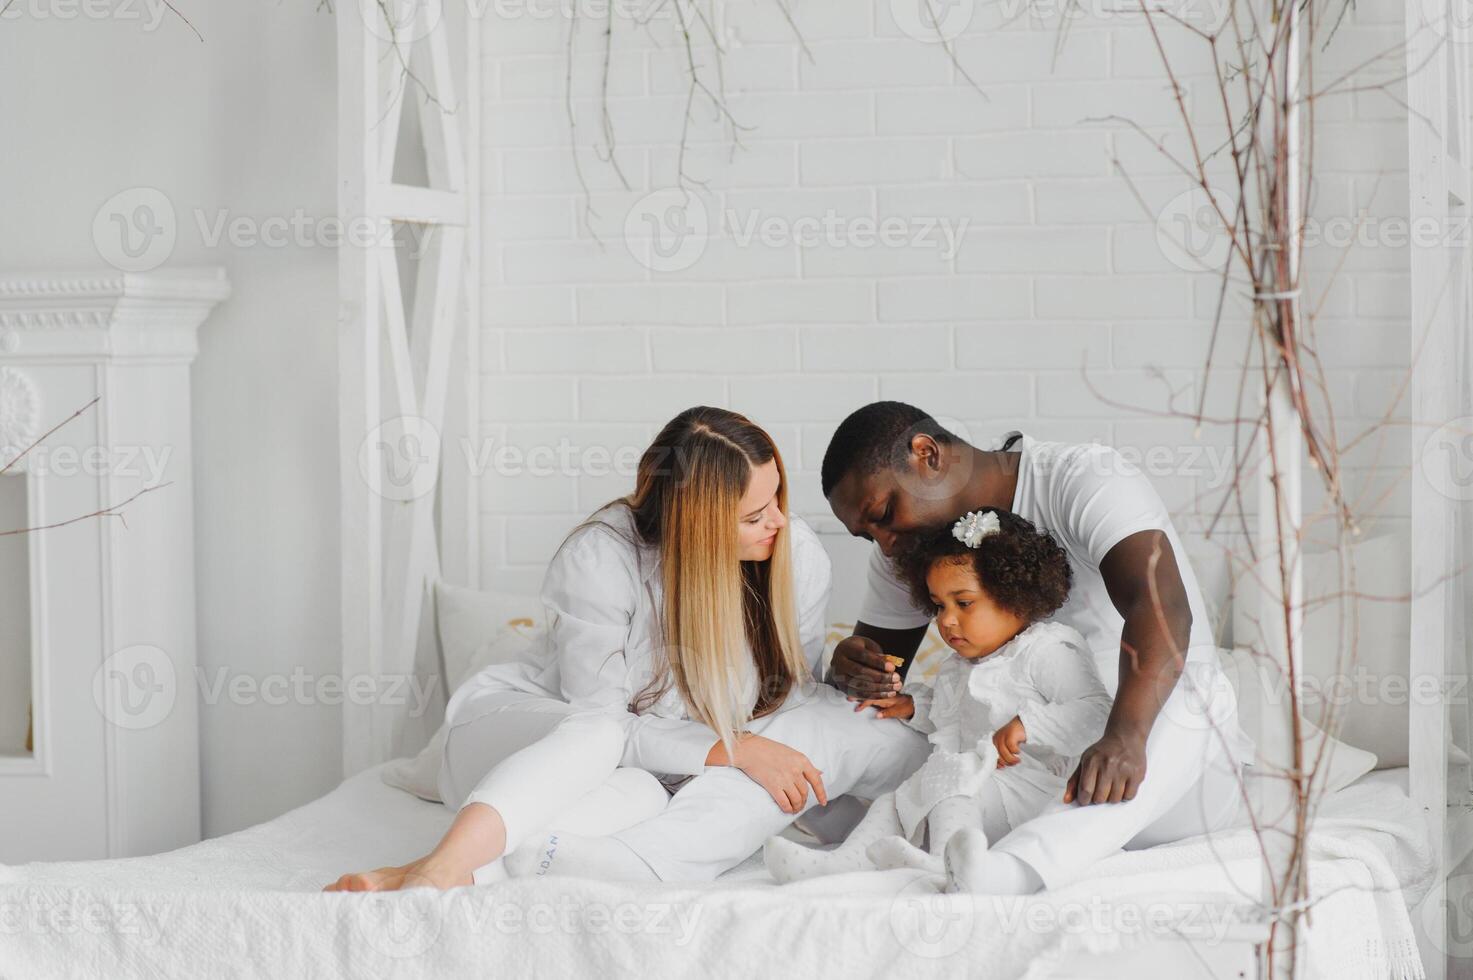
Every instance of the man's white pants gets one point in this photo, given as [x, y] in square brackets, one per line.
[1192, 786]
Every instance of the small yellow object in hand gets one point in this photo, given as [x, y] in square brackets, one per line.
[899, 662]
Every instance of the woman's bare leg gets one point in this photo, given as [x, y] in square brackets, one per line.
[477, 837]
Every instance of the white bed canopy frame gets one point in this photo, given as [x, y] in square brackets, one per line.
[408, 118]
[1440, 170]
[420, 360]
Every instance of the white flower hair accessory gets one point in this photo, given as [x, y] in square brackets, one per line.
[975, 527]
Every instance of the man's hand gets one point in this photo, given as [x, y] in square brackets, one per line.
[1111, 770]
[859, 669]
[1146, 588]
[900, 706]
[1008, 740]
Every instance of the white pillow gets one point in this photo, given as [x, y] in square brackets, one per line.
[1371, 697]
[477, 630]
[1343, 764]
[468, 619]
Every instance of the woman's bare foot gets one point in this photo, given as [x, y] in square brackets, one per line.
[475, 838]
[416, 874]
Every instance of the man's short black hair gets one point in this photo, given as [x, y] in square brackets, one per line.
[876, 436]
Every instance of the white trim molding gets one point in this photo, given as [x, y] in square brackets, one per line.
[122, 315]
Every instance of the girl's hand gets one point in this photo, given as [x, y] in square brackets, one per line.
[1008, 740]
[784, 772]
[895, 706]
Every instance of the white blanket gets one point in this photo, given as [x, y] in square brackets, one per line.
[249, 905]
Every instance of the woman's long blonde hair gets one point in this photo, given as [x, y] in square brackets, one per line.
[688, 489]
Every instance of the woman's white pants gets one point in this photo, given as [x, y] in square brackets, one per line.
[537, 761]
[544, 766]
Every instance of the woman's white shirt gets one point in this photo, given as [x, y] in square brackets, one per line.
[604, 601]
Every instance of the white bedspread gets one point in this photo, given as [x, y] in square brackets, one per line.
[249, 905]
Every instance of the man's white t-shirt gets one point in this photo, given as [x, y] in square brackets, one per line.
[1090, 498]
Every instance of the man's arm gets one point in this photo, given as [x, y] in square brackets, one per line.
[1144, 584]
[859, 667]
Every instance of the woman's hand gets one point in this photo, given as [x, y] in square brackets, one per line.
[899, 706]
[1008, 740]
[784, 772]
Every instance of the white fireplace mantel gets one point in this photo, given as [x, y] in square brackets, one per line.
[120, 315]
[114, 767]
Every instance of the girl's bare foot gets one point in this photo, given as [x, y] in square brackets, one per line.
[422, 873]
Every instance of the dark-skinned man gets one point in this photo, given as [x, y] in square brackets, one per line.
[1168, 764]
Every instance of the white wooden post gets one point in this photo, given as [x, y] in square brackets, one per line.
[1437, 55]
[395, 376]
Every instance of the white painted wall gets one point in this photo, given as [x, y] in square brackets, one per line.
[242, 121]
[1059, 270]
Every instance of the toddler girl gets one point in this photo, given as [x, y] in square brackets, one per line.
[1008, 713]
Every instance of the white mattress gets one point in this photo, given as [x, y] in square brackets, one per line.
[361, 824]
[250, 904]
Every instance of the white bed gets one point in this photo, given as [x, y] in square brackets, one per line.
[249, 904]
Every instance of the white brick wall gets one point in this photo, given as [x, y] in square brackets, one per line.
[1057, 270]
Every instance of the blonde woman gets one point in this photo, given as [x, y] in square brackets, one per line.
[686, 623]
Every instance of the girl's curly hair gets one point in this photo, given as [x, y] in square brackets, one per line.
[1022, 568]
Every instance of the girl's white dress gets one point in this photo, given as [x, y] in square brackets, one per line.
[1044, 676]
